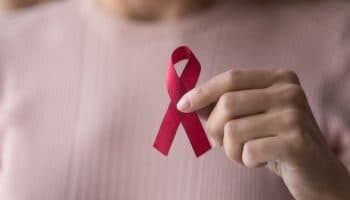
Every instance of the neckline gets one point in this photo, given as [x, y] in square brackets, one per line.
[97, 19]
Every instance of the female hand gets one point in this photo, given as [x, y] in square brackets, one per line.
[262, 118]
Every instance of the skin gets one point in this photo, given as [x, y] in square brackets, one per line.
[169, 10]
[8, 5]
[262, 118]
[259, 117]
[154, 10]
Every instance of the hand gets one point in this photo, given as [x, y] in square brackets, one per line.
[262, 118]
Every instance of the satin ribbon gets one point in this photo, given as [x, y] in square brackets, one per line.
[177, 87]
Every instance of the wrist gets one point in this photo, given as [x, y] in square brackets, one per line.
[340, 189]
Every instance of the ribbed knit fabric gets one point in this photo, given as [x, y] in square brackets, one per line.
[82, 95]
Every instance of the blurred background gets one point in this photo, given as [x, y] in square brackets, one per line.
[7, 6]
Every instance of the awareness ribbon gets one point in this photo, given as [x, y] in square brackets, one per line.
[177, 87]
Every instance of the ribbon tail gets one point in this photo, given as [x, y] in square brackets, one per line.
[195, 133]
[167, 130]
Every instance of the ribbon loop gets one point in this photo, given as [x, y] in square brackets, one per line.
[177, 87]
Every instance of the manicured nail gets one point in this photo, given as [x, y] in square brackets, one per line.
[183, 104]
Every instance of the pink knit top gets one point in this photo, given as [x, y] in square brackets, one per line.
[82, 95]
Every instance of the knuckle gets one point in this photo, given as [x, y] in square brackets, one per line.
[292, 94]
[232, 153]
[295, 144]
[229, 126]
[225, 101]
[215, 130]
[230, 129]
[298, 139]
[233, 74]
[249, 154]
[292, 118]
[211, 127]
[288, 75]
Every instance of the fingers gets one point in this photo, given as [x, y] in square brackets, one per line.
[257, 115]
[257, 152]
[232, 80]
[244, 129]
[240, 131]
[251, 113]
[254, 140]
[234, 105]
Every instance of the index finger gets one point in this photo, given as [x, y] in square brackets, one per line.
[231, 80]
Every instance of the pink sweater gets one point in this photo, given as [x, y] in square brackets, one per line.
[82, 95]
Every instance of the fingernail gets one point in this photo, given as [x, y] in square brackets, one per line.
[183, 104]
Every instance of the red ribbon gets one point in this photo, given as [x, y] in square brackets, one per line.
[177, 87]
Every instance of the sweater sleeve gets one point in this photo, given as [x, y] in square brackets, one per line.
[335, 99]
[338, 133]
